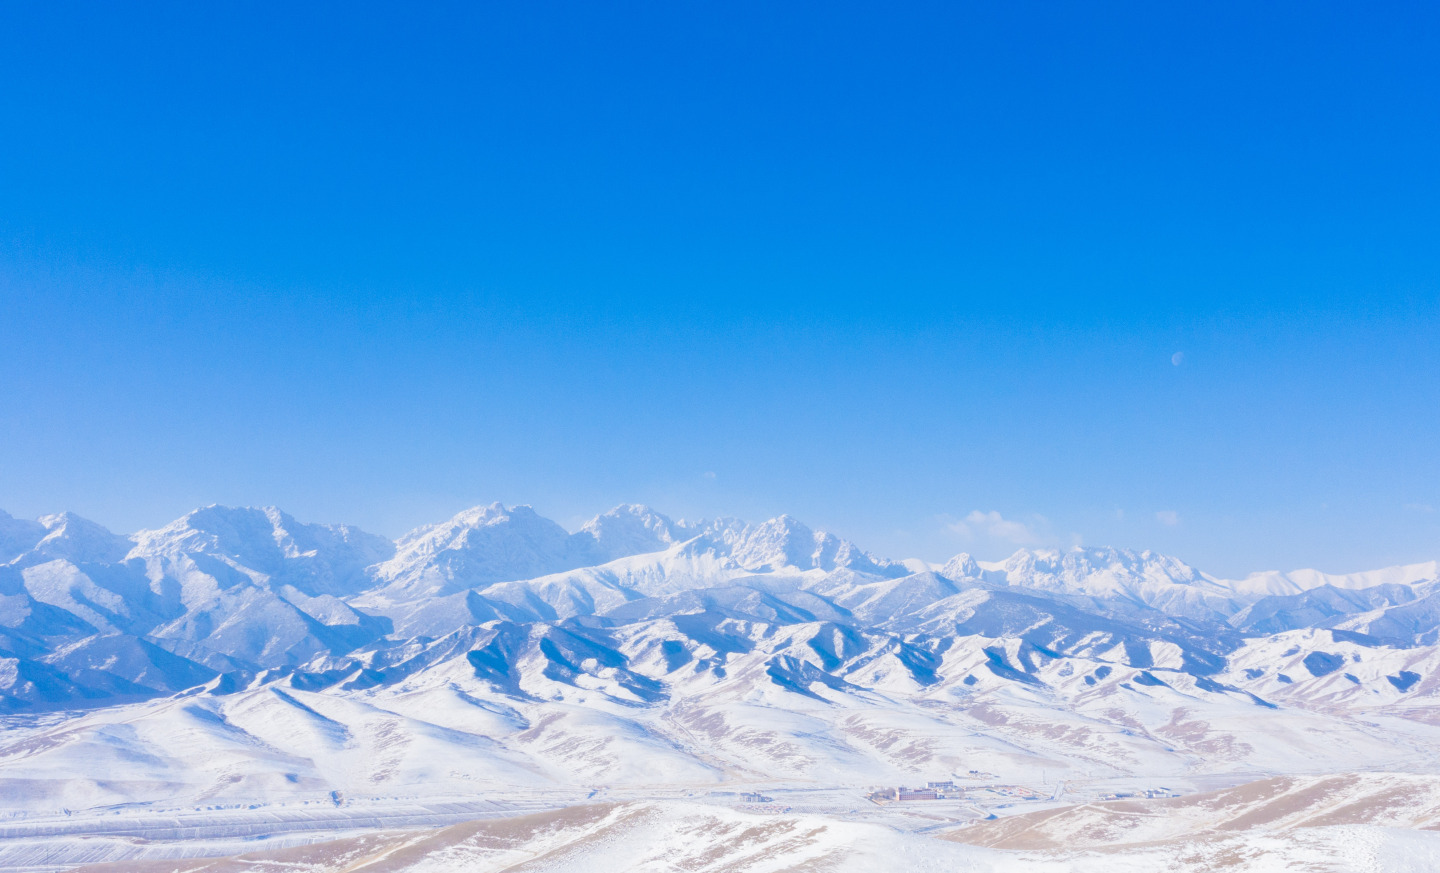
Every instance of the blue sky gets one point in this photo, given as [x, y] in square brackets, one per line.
[918, 275]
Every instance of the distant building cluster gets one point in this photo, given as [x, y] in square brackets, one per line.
[948, 790]
[944, 790]
[1149, 793]
[1013, 791]
[904, 794]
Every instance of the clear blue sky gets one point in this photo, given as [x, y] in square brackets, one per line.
[886, 269]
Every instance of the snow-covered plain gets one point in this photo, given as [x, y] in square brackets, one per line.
[1356, 825]
[239, 681]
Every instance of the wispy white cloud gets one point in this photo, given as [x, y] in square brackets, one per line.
[1168, 517]
[995, 526]
[1419, 507]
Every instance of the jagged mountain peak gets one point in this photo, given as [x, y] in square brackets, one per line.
[632, 529]
[18, 536]
[1080, 561]
[488, 545]
[962, 566]
[455, 532]
[80, 540]
[314, 558]
[264, 533]
[215, 527]
[776, 543]
[493, 513]
[478, 547]
[784, 541]
[61, 535]
[1275, 582]
[1118, 575]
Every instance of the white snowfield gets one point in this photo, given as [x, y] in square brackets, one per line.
[1371, 824]
[239, 676]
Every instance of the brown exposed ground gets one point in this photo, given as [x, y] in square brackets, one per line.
[383, 852]
[1275, 804]
[1285, 821]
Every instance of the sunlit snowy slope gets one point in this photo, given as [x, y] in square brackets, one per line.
[1341, 825]
[239, 658]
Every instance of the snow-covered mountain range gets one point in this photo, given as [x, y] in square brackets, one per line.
[237, 654]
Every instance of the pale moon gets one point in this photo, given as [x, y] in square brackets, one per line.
[1177, 358]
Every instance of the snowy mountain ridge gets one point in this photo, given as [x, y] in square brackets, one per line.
[249, 591]
[242, 654]
[487, 544]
